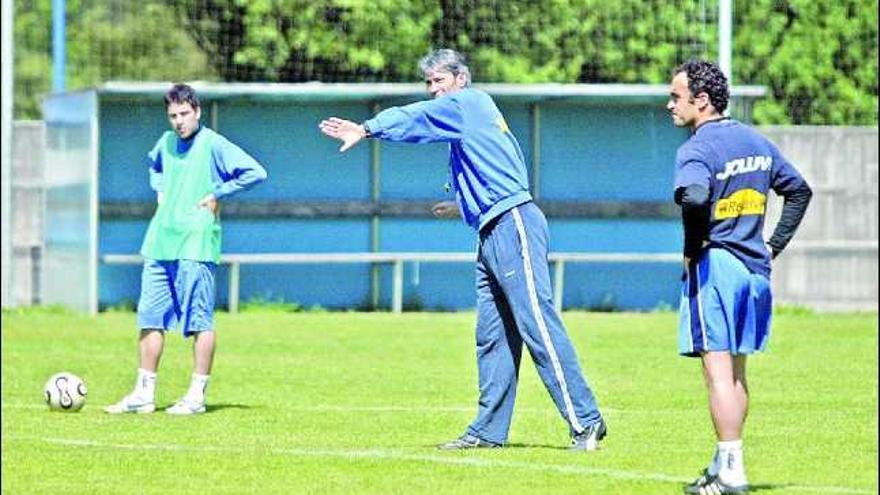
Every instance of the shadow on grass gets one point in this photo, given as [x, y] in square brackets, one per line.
[219, 407]
[537, 446]
[769, 486]
[213, 408]
[765, 486]
[504, 447]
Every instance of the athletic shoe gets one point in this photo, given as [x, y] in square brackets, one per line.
[590, 437]
[708, 484]
[701, 480]
[468, 441]
[185, 407]
[131, 404]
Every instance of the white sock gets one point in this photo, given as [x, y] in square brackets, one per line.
[197, 388]
[731, 466]
[145, 387]
[714, 464]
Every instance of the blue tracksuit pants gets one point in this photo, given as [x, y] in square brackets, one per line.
[515, 306]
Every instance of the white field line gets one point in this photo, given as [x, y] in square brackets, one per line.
[355, 408]
[331, 408]
[426, 408]
[452, 458]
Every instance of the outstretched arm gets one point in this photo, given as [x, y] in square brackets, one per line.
[431, 121]
[350, 133]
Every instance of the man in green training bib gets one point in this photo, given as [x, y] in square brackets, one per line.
[191, 169]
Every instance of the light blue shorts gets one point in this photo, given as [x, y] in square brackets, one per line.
[724, 307]
[174, 292]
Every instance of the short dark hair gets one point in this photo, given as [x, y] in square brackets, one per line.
[706, 77]
[181, 93]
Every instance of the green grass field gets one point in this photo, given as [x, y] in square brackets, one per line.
[355, 403]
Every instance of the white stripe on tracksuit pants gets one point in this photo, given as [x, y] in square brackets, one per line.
[515, 306]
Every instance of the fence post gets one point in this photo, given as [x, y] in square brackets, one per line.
[397, 288]
[35, 275]
[234, 278]
[559, 273]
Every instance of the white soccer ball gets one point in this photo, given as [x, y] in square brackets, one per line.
[65, 392]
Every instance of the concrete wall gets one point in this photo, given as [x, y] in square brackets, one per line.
[601, 170]
[27, 211]
[832, 261]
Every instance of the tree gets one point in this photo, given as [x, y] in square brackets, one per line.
[105, 41]
[307, 40]
[511, 41]
[817, 58]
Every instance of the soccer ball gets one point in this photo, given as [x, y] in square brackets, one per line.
[65, 392]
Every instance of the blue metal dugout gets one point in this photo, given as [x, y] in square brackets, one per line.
[600, 156]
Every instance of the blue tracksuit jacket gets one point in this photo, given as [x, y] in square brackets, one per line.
[485, 161]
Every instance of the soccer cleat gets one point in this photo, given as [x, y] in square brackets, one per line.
[468, 441]
[131, 404]
[590, 437]
[700, 481]
[707, 484]
[185, 407]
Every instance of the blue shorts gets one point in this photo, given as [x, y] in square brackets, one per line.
[175, 292]
[724, 307]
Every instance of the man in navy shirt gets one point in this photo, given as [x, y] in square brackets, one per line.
[514, 296]
[723, 174]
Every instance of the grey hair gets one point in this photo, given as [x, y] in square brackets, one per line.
[446, 60]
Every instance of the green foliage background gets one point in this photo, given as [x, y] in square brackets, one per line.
[106, 40]
[818, 58]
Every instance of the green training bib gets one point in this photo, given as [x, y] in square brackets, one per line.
[180, 229]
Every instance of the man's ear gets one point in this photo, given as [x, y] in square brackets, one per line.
[460, 80]
[703, 101]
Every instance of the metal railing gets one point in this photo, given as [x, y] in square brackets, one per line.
[396, 260]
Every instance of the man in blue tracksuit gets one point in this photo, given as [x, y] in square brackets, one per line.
[514, 296]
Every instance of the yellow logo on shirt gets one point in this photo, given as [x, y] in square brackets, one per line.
[742, 202]
[502, 124]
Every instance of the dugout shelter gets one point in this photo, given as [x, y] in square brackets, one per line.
[600, 159]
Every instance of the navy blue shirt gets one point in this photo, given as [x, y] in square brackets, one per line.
[738, 166]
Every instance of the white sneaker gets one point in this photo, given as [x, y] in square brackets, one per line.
[185, 406]
[131, 404]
